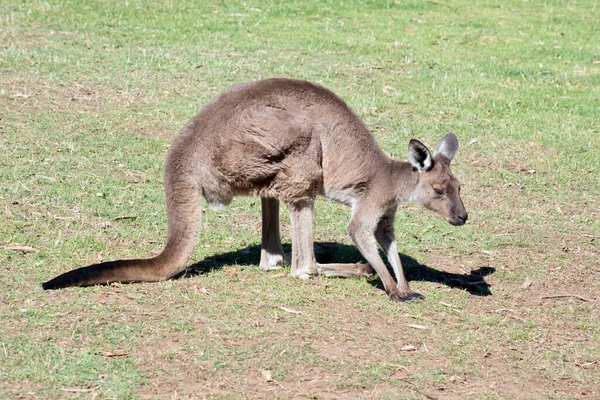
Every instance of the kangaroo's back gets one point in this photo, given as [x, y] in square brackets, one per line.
[278, 138]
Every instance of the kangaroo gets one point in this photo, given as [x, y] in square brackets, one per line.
[290, 140]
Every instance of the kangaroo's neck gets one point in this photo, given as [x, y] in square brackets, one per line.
[405, 179]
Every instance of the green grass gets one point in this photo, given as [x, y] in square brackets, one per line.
[91, 93]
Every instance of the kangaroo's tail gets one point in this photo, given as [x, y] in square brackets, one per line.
[184, 218]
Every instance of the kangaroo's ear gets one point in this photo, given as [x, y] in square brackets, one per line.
[419, 155]
[447, 146]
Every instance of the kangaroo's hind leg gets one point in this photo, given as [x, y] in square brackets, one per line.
[271, 252]
[303, 252]
[303, 259]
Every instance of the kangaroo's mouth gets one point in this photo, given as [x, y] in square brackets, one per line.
[458, 220]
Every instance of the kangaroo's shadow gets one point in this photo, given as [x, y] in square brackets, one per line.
[326, 252]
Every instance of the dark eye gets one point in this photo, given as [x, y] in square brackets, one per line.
[437, 191]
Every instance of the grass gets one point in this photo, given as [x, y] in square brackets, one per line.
[91, 93]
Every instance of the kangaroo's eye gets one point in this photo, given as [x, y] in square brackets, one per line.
[437, 191]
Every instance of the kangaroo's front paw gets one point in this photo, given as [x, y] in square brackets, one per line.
[406, 297]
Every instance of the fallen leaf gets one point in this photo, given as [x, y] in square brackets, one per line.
[267, 375]
[99, 297]
[526, 283]
[201, 289]
[386, 89]
[290, 310]
[97, 259]
[408, 348]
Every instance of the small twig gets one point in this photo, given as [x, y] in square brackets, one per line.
[399, 366]
[77, 390]
[450, 306]
[573, 339]
[562, 296]
[290, 310]
[415, 388]
[114, 355]
[24, 249]
[418, 317]
[415, 326]
[125, 217]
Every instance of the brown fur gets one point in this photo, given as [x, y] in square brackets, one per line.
[289, 140]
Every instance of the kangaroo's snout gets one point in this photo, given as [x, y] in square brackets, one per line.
[458, 220]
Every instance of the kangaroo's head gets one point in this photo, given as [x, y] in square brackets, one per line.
[437, 189]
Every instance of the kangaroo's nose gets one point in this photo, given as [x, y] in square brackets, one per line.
[463, 218]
